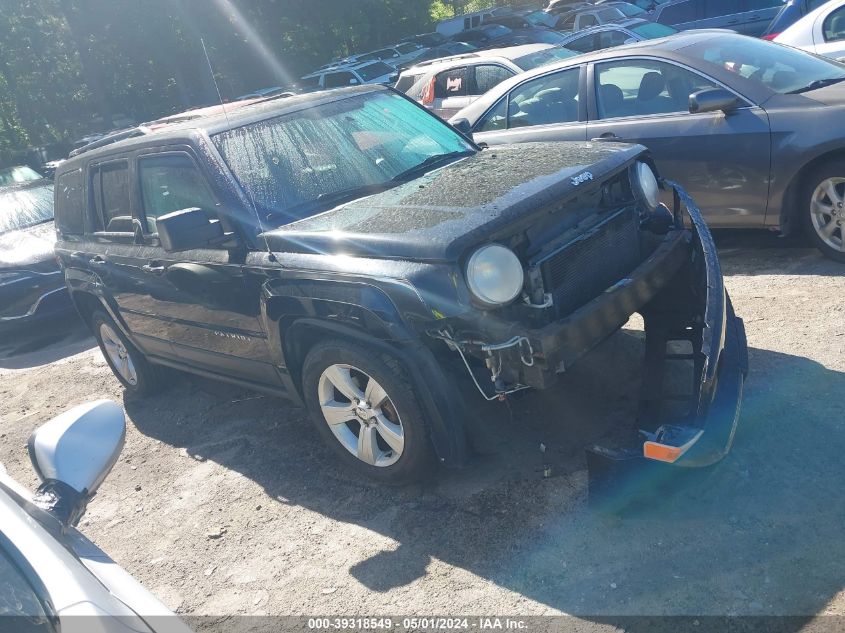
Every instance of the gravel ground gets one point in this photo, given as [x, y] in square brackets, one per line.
[225, 502]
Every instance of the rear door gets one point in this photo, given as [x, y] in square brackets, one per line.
[546, 108]
[756, 16]
[722, 160]
[829, 34]
[451, 91]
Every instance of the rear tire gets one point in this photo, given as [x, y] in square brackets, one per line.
[822, 208]
[137, 375]
[352, 389]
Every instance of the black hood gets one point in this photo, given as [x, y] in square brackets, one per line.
[439, 215]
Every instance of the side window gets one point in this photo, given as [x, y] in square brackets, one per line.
[489, 76]
[70, 203]
[451, 83]
[19, 601]
[640, 87]
[583, 44]
[467, 24]
[834, 26]
[678, 13]
[719, 8]
[608, 39]
[110, 194]
[476, 20]
[496, 119]
[170, 183]
[546, 100]
[338, 80]
[587, 20]
[568, 22]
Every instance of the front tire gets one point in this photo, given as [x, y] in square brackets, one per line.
[137, 375]
[823, 209]
[364, 407]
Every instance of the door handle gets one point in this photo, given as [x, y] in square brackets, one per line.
[97, 261]
[155, 269]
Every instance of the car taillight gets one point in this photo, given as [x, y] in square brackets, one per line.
[428, 92]
[770, 36]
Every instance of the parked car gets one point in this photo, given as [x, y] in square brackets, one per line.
[498, 36]
[447, 86]
[427, 39]
[364, 73]
[52, 578]
[556, 7]
[393, 55]
[31, 283]
[586, 17]
[453, 26]
[449, 49]
[18, 174]
[749, 17]
[821, 32]
[349, 250]
[629, 9]
[609, 35]
[525, 19]
[789, 14]
[751, 128]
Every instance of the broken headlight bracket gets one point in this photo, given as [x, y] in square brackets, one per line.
[493, 360]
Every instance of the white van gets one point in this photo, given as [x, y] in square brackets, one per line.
[453, 26]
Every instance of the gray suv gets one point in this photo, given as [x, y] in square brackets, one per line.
[749, 17]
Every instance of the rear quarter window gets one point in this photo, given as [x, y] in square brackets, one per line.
[70, 203]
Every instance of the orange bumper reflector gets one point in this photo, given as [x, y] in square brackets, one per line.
[661, 452]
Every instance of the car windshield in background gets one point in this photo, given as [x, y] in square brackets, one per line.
[377, 69]
[652, 30]
[781, 68]
[541, 58]
[404, 49]
[541, 18]
[296, 165]
[23, 208]
[15, 175]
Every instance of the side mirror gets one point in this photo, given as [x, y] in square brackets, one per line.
[73, 453]
[463, 126]
[188, 228]
[712, 100]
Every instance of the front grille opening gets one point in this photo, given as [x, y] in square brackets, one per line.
[595, 261]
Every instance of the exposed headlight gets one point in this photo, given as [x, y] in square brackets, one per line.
[494, 275]
[645, 185]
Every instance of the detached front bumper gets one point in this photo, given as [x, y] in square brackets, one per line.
[705, 433]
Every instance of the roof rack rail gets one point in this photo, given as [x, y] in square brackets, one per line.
[110, 138]
[441, 60]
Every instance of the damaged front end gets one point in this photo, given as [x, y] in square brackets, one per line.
[662, 265]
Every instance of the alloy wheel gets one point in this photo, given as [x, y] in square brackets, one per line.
[361, 415]
[118, 354]
[827, 211]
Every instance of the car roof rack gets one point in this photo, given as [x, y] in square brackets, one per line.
[112, 137]
[443, 60]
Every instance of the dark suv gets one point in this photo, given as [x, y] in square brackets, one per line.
[348, 250]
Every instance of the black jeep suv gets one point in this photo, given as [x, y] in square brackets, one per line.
[348, 250]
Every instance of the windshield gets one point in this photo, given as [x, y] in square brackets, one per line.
[651, 30]
[541, 58]
[20, 173]
[290, 163]
[541, 18]
[780, 68]
[371, 71]
[22, 208]
[630, 10]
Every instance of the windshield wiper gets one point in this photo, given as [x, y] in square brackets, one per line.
[430, 163]
[818, 83]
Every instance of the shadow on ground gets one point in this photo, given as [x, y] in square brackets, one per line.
[761, 533]
[753, 252]
[44, 342]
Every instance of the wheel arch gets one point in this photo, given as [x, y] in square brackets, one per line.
[441, 401]
[790, 221]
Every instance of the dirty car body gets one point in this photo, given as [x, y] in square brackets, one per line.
[509, 264]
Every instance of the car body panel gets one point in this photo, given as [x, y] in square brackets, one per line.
[821, 31]
[708, 14]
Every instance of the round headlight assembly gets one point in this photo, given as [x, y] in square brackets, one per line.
[494, 275]
[645, 185]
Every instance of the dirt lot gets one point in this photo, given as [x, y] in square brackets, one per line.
[225, 502]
